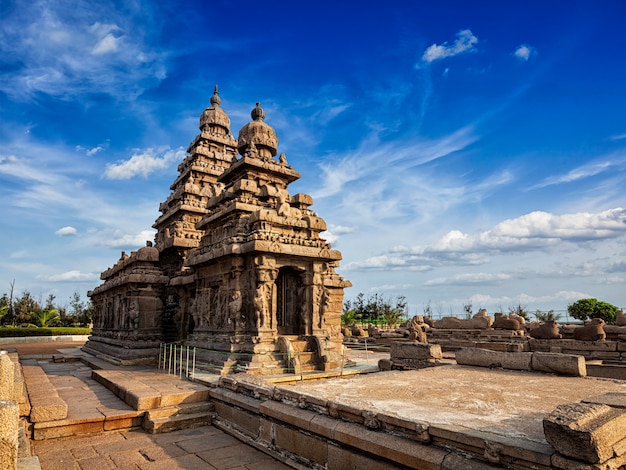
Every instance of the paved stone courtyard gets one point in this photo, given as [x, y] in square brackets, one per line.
[201, 448]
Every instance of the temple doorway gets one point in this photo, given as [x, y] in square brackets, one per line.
[289, 303]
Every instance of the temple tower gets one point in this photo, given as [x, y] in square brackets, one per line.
[264, 277]
[239, 269]
[209, 154]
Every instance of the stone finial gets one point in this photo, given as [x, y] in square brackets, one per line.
[258, 133]
[214, 119]
[215, 99]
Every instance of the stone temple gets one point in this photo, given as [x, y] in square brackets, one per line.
[238, 268]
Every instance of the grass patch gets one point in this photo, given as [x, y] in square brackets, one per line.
[10, 332]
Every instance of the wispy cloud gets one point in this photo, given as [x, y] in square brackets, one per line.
[144, 162]
[371, 157]
[614, 161]
[465, 42]
[63, 49]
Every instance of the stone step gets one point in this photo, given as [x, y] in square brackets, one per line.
[299, 345]
[185, 409]
[176, 422]
[143, 394]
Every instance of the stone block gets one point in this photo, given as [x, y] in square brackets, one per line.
[455, 462]
[589, 432]
[341, 459]
[415, 430]
[487, 358]
[323, 426]
[9, 442]
[392, 448]
[51, 408]
[565, 364]
[415, 350]
[614, 399]
[6, 376]
[303, 445]
[287, 414]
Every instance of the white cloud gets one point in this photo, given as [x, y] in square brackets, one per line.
[120, 239]
[66, 231]
[536, 231]
[524, 52]
[465, 42]
[332, 234]
[144, 162]
[74, 276]
[469, 279]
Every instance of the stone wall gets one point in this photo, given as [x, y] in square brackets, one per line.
[325, 434]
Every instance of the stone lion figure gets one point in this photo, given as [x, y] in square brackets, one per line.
[480, 321]
[549, 330]
[591, 331]
[502, 322]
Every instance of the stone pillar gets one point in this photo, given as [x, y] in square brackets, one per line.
[6, 376]
[9, 420]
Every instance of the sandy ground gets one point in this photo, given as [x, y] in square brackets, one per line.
[507, 403]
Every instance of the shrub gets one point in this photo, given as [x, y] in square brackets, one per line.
[10, 332]
[592, 308]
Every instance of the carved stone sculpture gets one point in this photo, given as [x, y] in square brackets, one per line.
[549, 330]
[502, 322]
[592, 331]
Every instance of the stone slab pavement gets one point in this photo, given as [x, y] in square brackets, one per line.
[190, 449]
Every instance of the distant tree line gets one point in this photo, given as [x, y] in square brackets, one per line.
[25, 310]
[375, 309]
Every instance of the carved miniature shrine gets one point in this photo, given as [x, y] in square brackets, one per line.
[238, 269]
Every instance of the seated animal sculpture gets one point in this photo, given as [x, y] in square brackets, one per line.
[592, 331]
[480, 321]
[502, 322]
[549, 330]
[357, 331]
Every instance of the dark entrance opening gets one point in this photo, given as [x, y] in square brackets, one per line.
[289, 302]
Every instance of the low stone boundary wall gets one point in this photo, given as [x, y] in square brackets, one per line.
[566, 364]
[591, 350]
[330, 435]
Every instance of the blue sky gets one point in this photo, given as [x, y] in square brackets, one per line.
[458, 151]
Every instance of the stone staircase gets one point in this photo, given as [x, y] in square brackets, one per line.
[169, 403]
[183, 416]
[92, 396]
[300, 355]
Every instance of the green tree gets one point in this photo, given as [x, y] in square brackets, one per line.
[46, 317]
[521, 310]
[547, 316]
[376, 309]
[592, 308]
[25, 307]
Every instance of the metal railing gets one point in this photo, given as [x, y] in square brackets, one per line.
[184, 361]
